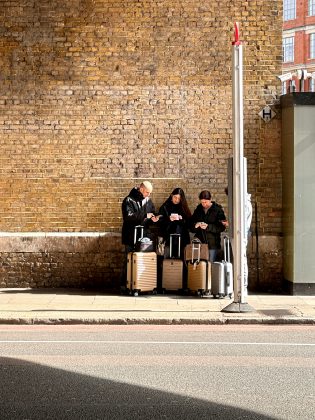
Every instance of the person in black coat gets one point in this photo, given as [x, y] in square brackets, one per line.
[207, 222]
[137, 209]
[175, 215]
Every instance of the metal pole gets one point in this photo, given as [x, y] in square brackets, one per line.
[239, 246]
[238, 173]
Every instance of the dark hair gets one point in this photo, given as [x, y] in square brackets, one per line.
[205, 195]
[183, 202]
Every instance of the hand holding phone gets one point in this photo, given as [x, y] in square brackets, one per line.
[201, 225]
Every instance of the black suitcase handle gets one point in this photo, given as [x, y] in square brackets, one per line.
[172, 236]
[135, 236]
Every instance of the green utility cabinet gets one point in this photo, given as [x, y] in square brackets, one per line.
[298, 159]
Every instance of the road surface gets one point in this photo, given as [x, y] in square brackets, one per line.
[157, 372]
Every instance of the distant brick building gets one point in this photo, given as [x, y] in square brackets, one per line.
[98, 95]
[299, 41]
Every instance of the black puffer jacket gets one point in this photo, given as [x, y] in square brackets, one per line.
[213, 218]
[134, 213]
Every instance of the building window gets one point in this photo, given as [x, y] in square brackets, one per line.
[288, 49]
[284, 88]
[288, 9]
[312, 45]
[311, 7]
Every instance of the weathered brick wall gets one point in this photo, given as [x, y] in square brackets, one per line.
[97, 95]
[86, 259]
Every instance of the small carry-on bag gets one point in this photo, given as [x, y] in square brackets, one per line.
[144, 245]
[199, 269]
[196, 251]
[222, 274]
[141, 268]
[172, 274]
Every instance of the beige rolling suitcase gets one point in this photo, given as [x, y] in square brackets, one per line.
[172, 275]
[199, 277]
[199, 268]
[141, 272]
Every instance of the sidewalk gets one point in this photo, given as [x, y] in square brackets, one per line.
[75, 306]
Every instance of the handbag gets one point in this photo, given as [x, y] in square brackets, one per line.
[196, 251]
[160, 249]
[144, 245]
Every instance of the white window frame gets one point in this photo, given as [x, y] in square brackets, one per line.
[311, 7]
[288, 49]
[284, 88]
[289, 9]
[312, 46]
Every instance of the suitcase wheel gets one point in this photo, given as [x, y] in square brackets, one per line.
[154, 291]
[230, 295]
[123, 290]
[136, 293]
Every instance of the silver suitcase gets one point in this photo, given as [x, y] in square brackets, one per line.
[222, 274]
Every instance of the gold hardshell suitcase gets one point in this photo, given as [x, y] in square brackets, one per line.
[199, 268]
[172, 275]
[199, 277]
[141, 272]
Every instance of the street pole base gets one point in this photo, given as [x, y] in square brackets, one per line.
[236, 307]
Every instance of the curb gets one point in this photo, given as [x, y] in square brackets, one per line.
[161, 321]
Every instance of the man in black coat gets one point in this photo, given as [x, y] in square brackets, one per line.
[137, 209]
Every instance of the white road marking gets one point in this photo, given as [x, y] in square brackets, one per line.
[224, 343]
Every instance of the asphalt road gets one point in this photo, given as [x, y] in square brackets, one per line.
[157, 372]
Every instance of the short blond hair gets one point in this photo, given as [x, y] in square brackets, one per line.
[147, 185]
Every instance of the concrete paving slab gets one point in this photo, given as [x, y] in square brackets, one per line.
[64, 306]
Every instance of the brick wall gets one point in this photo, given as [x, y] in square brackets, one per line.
[97, 95]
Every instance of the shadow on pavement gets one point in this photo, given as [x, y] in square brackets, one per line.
[33, 391]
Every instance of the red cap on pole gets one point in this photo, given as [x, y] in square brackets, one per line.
[236, 34]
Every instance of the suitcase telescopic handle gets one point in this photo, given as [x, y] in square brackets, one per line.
[172, 235]
[196, 246]
[226, 246]
[137, 228]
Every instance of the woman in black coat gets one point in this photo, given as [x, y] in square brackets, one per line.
[175, 215]
[207, 222]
